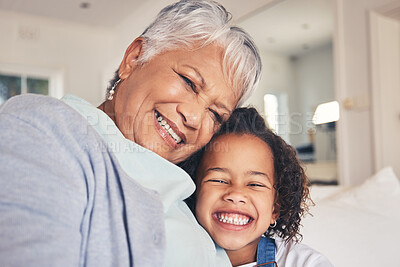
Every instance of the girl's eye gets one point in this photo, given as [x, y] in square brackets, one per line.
[257, 185]
[189, 83]
[216, 116]
[217, 181]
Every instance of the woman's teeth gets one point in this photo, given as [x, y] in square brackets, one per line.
[235, 219]
[163, 123]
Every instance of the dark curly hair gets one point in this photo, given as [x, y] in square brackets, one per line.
[291, 184]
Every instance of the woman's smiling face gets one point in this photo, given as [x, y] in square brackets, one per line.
[174, 103]
[235, 193]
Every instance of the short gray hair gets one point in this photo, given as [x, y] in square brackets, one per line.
[188, 23]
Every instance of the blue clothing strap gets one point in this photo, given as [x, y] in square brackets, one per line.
[266, 252]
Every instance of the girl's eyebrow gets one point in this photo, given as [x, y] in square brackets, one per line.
[258, 173]
[217, 169]
[250, 172]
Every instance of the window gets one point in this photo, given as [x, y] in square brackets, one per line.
[276, 111]
[271, 111]
[16, 80]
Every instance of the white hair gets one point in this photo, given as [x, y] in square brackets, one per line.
[197, 23]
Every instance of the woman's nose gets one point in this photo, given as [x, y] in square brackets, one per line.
[191, 114]
[235, 196]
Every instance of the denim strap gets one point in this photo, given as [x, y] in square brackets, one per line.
[266, 251]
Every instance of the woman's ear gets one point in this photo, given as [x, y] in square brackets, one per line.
[132, 54]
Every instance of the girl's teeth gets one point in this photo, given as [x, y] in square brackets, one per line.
[234, 219]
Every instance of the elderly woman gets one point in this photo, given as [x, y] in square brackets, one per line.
[86, 186]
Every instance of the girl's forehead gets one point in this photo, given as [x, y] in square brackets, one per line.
[237, 154]
[233, 143]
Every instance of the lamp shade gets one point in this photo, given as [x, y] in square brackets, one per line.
[326, 112]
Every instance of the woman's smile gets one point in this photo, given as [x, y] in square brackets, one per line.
[169, 131]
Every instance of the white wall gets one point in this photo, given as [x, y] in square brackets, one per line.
[355, 147]
[133, 26]
[276, 78]
[313, 84]
[74, 49]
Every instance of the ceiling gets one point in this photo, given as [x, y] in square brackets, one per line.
[103, 13]
[292, 27]
[107, 13]
[284, 26]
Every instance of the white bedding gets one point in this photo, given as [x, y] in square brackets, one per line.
[357, 226]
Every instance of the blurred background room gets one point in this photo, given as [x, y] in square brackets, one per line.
[295, 39]
[330, 87]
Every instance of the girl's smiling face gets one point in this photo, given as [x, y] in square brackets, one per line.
[235, 195]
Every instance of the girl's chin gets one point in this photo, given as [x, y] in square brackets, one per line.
[231, 244]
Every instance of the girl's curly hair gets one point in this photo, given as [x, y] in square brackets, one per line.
[291, 184]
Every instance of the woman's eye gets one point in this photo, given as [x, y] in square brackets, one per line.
[216, 116]
[189, 83]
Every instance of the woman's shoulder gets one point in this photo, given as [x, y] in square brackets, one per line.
[29, 99]
[50, 117]
[32, 104]
[40, 110]
[294, 253]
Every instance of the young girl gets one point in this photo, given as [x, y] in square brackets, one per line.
[251, 194]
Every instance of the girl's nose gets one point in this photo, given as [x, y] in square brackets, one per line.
[235, 196]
